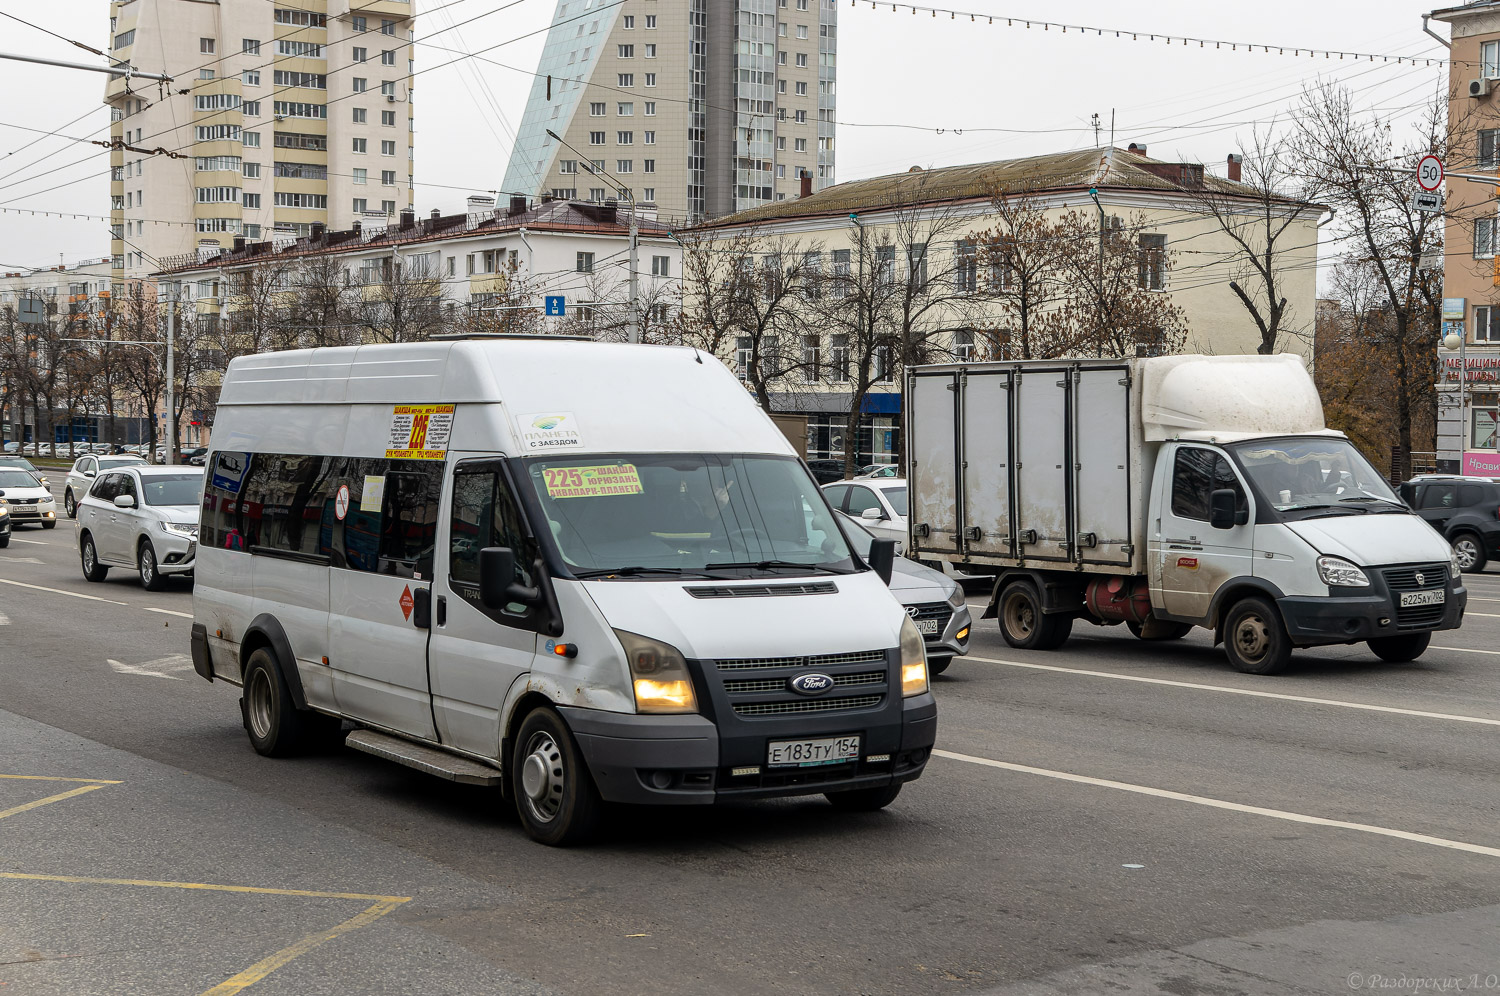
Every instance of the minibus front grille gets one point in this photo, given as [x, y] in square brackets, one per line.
[763, 590]
[742, 686]
[1405, 578]
[815, 661]
[806, 706]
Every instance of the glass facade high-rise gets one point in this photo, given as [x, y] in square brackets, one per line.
[695, 108]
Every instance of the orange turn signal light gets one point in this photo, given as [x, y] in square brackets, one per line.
[569, 650]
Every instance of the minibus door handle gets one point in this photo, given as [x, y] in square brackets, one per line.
[421, 608]
[442, 610]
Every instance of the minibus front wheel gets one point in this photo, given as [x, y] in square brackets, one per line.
[556, 798]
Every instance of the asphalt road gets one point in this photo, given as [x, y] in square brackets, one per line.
[1116, 817]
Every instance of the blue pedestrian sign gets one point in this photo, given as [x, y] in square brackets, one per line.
[555, 304]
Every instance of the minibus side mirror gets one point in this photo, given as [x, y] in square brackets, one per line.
[1224, 511]
[883, 558]
[497, 580]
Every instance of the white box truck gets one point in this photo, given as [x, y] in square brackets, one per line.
[1167, 493]
[577, 571]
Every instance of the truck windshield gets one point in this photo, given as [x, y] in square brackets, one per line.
[1313, 473]
[662, 514]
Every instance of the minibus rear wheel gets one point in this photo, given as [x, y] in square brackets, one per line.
[275, 726]
[556, 798]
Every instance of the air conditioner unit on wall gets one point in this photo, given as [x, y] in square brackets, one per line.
[1479, 88]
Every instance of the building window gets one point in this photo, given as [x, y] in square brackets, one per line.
[251, 108]
[780, 143]
[388, 88]
[629, 21]
[361, 84]
[781, 58]
[801, 31]
[360, 174]
[801, 117]
[252, 171]
[360, 54]
[838, 354]
[388, 57]
[205, 74]
[387, 27]
[1489, 59]
[388, 177]
[624, 166]
[360, 205]
[966, 267]
[388, 208]
[596, 138]
[916, 265]
[650, 51]
[625, 110]
[250, 46]
[801, 60]
[648, 195]
[1486, 157]
[388, 118]
[206, 46]
[660, 266]
[1153, 262]
[387, 148]
[585, 262]
[316, 201]
[251, 139]
[625, 51]
[648, 165]
[359, 115]
[650, 21]
[310, 50]
[626, 79]
[742, 354]
[250, 77]
[811, 359]
[597, 194]
[624, 138]
[361, 145]
[963, 345]
[250, 200]
[650, 108]
[1486, 324]
[781, 30]
[801, 145]
[598, 109]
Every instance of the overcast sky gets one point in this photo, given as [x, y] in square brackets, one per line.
[1035, 91]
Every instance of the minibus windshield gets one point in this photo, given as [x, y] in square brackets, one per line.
[638, 514]
[1314, 474]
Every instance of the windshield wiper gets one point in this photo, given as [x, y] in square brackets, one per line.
[1375, 498]
[1311, 507]
[626, 572]
[766, 565]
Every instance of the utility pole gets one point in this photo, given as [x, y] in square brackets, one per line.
[1094, 193]
[171, 450]
[633, 327]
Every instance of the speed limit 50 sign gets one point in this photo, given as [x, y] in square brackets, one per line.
[1429, 173]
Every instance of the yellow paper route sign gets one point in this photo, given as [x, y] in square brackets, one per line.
[592, 482]
[419, 432]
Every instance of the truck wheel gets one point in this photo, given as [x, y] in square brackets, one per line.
[1023, 623]
[555, 794]
[92, 569]
[864, 800]
[1400, 649]
[1158, 629]
[937, 665]
[1255, 639]
[275, 726]
[1470, 551]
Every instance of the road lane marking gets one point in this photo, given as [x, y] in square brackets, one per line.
[155, 669]
[22, 560]
[53, 778]
[4, 619]
[202, 886]
[60, 591]
[17, 539]
[271, 963]
[169, 612]
[1483, 615]
[1235, 807]
[59, 797]
[1467, 650]
[1307, 699]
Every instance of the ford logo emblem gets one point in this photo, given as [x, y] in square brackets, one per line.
[810, 684]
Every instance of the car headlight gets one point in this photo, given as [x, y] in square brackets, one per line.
[1337, 572]
[956, 597]
[913, 660]
[181, 529]
[659, 675]
[1453, 569]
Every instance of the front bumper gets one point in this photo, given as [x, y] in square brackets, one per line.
[44, 511]
[1350, 618]
[683, 760]
[174, 554]
[948, 643]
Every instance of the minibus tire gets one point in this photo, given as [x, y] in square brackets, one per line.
[89, 555]
[1024, 625]
[275, 727]
[1255, 640]
[556, 799]
[864, 800]
[1401, 649]
[937, 665]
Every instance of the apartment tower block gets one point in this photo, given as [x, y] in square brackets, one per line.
[282, 115]
[697, 108]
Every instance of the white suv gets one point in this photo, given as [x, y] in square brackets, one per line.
[85, 469]
[142, 518]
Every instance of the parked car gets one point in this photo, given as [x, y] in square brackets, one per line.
[141, 517]
[27, 498]
[80, 478]
[4, 526]
[193, 456]
[826, 471]
[934, 602]
[21, 463]
[1465, 510]
[880, 505]
[878, 470]
[12, 447]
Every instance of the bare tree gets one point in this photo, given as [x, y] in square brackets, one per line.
[402, 301]
[321, 303]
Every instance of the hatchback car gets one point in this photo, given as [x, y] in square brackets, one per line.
[879, 505]
[1466, 510]
[85, 469]
[27, 498]
[142, 518]
[935, 603]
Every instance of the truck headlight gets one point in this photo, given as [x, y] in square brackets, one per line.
[659, 675]
[913, 660]
[1337, 572]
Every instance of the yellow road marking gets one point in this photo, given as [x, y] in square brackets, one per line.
[271, 963]
[51, 778]
[208, 886]
[50, 799]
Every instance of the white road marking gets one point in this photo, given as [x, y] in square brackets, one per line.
[1483, 615]
[17, 539]
[1468, 650]
[1235, 807]
[1247, 691]
[155, 669]
[22, 560]
[60, 591]
[4, 619]
[169, 612]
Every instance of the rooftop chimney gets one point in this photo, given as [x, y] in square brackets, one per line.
[1234, 166]
[1137, 148]
[239, 243]
[436, 214]
[408, 219]
[479, 202]
[517, 204]
[317, 232]
[806, 184]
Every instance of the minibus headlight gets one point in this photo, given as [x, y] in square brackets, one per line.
[1337, 572]
[658, 674]
[1454, 570]
[913, 659]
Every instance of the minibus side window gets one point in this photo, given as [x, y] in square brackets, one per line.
[408, 529]
[485, 514]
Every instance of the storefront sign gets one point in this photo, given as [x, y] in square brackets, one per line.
[1471, 369]
[1453, 307]
[1482, 464]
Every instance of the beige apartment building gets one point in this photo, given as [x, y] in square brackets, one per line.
[282, 114]
[698, 108]
[1469, 379]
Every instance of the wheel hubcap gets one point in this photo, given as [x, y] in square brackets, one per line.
[88, 555]
[1467, 552]
[542, 777]
[258, 704]
[1252, 638]
[1020, 618]
[148, 565]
